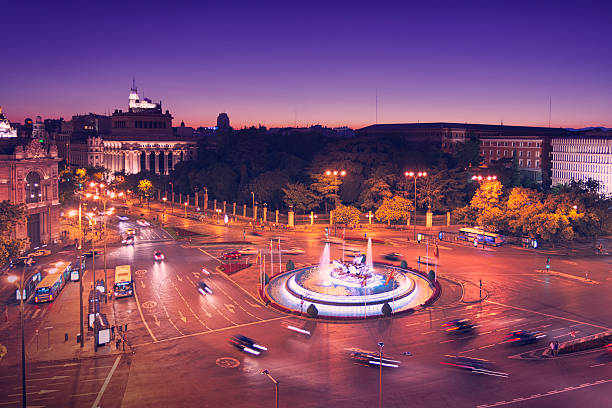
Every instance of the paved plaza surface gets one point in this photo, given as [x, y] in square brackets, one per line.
[177, 352]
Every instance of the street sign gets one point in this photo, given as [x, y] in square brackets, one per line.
[19, 297]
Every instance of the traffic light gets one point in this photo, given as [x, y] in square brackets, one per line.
[547, 263]
[326, 231]
[419, 237]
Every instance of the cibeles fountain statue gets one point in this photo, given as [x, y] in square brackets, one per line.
[354, 288]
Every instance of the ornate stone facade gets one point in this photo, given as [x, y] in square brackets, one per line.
[29, 175]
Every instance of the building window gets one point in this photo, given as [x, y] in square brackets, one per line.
[528, 163]
[529, 154]
[521, 162]
[521, 153]
[490, 152]
[32, 189]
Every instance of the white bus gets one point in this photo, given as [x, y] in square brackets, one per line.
[480, 236]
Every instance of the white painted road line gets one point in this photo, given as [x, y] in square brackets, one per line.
[108, 377]
[549, 315]
[142, 317]
[536, 396]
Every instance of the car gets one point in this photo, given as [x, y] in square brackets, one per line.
[520, 337]
[158, 256]
[608, 348]
[353, 250]
[122, 218]
[372, 359]
[23, 260]
[130, 231]
[293, 251]
[41, 252]
[91, 253]
[248, 251]
[333, 240]
[129, 240]
[205, 271]
[143, 223]
[204, 288]
[458, 326]
[255, 233]
[393, 256]
[473, 365]
[231, 255]
[246, 344]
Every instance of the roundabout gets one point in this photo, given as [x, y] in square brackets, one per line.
[352, 289]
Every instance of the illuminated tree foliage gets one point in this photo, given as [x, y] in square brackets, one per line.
[394, 209]
[10, 216]
[347, 215]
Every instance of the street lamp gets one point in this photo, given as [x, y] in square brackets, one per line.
[415, 175]
[482, 178]
[380, 348]
[334, 174]
[80, 264]
[14, 279]
[267, 374]
[172, 201]
[186, 209]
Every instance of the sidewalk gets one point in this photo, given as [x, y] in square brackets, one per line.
[48, 341]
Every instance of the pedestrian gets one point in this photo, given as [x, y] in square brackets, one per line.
[552, 348]
[556, 350]
[123, 342]
[113, 331]
[117, 342]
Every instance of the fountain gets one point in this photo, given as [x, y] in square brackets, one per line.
[349, 289]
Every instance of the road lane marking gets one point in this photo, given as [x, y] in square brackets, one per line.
[212, 331]
[231, 280]
[549, 315]
[108, 377]
[183, 318]
[142, 317]
[165, 310]
[233, 300]
[536, 396]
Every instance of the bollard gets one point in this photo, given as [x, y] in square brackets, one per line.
[125, 327]
[65, 336]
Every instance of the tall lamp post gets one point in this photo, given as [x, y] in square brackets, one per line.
[415, 175]
[275, 381]
[172, 196]
[20, 286]
[80, 265]
[380, 348]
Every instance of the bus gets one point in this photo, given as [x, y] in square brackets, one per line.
[480, 236]
[123, 281]
[52, 284]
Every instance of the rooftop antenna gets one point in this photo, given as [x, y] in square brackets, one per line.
[377, 107]
[549, 109]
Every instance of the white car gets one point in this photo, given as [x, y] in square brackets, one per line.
[427, 260]
[41, 252]
[143, 223]
[293, 251]
[248, 251]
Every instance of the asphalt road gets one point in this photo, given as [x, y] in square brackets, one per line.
[182, 357]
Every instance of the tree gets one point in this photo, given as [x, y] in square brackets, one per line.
[298, 196]
[10, 216]
[327, 186]
[145, 189]
[375, 190]
[488, 195]
[347, 215]
[394, 209]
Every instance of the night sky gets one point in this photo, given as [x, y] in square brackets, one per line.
[314, 62]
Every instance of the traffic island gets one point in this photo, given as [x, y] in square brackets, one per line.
[595, 341]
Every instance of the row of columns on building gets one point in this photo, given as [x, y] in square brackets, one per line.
[184, 199]
[129, 160]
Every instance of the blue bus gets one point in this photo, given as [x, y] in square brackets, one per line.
[49, 288]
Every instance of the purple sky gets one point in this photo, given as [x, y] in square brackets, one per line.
[317, 62]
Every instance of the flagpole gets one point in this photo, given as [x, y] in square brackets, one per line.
[280, 263]
[271, 260]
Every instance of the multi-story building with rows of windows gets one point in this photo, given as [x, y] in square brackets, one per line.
[585, 155]
[139, 139]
